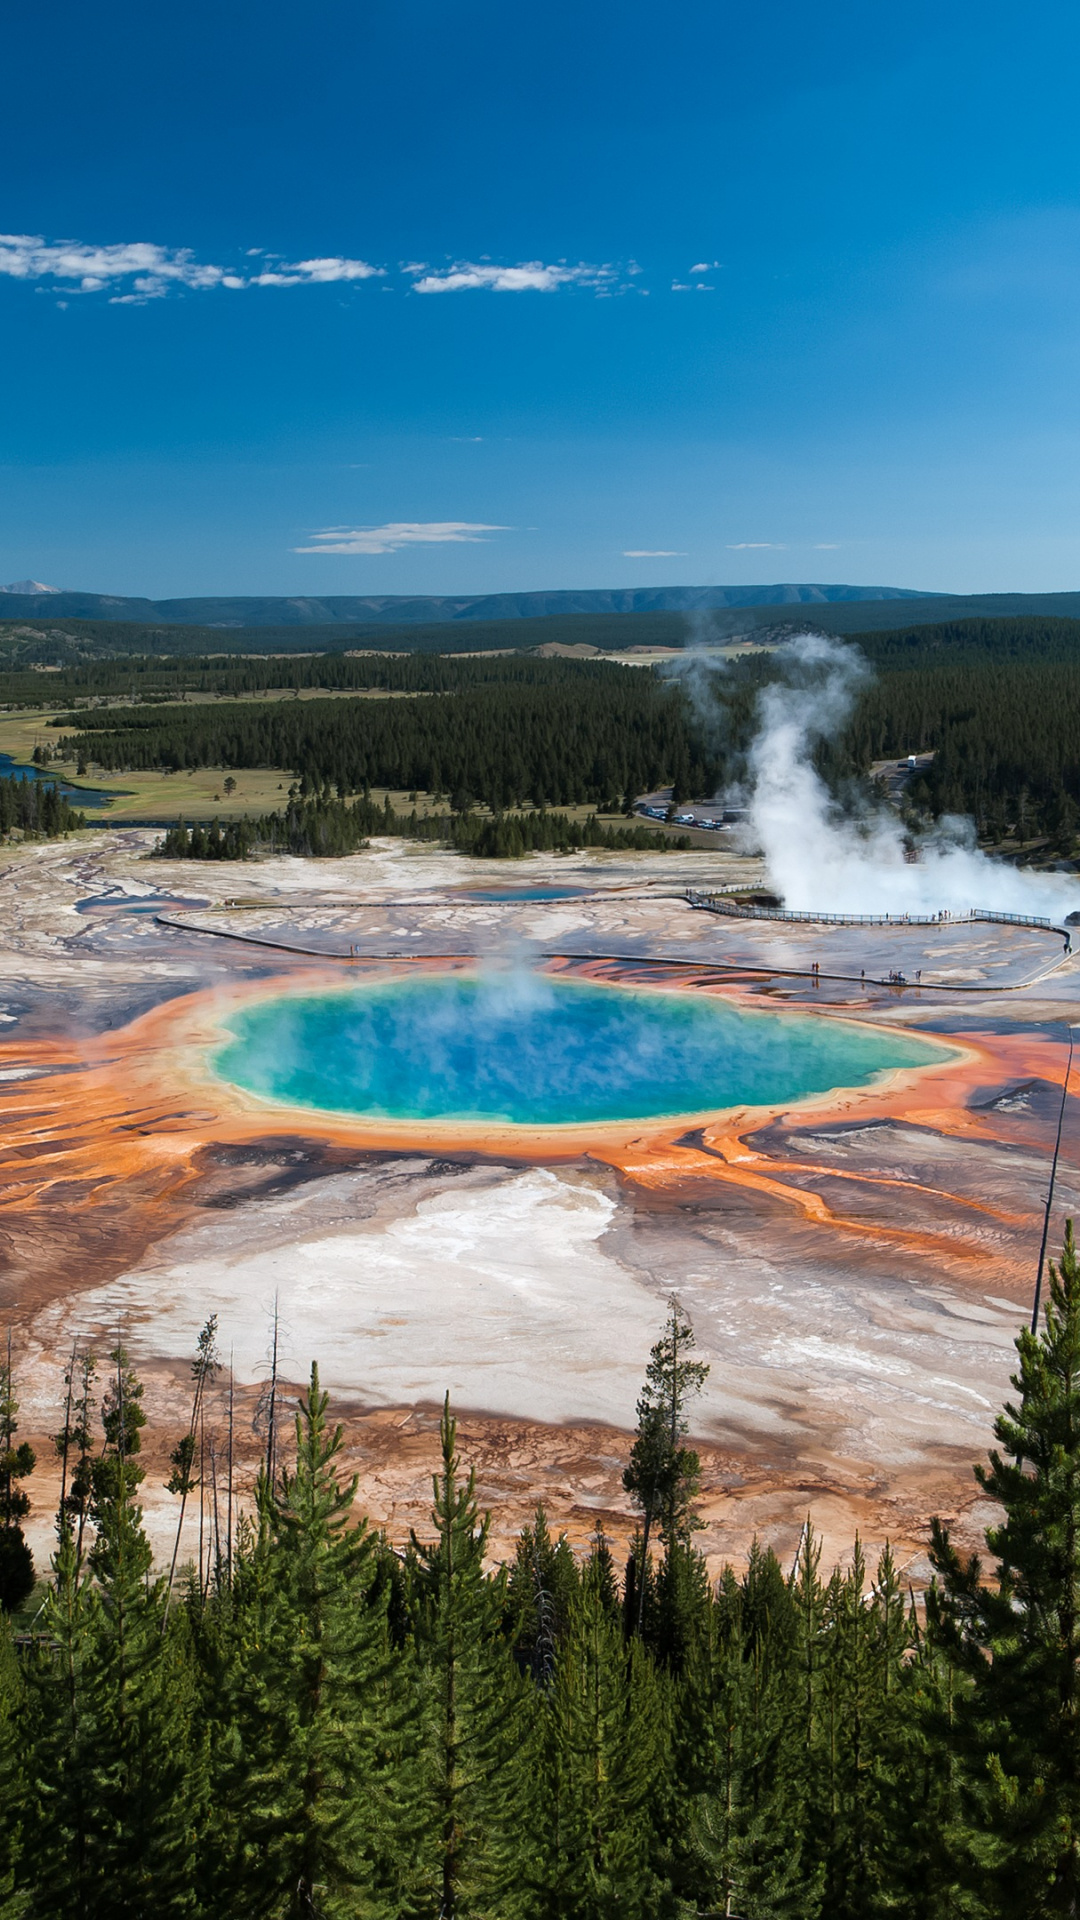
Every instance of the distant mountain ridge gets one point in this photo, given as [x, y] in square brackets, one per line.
[24, 599]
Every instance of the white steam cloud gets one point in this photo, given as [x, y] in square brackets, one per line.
[819, 859]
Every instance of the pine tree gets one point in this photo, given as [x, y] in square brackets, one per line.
[473, 1711]
[601, 1566]
[663, 1475]
[13, 1780]
[601, 1801]
[923, 1791]
[808, 1603]
[706, 1732]
[891, 1710]
[62, 1822]
[118, 1784]
[142, 1752]
[16, 1462]
[541, 1589]
[75, 1445]
[683, 1603]
[1015, 1643]
[182, 1479]
[740, 1846]
[304, 1718]
[866, 1640]
[776, 1876]
[121, 1548]
[639, 1601]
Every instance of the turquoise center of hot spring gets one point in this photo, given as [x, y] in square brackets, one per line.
[543, 1051]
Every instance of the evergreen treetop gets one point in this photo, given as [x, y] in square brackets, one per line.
[1015, 1639]
[17, 1460]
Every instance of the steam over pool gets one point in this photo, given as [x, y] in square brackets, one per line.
[537, 1051]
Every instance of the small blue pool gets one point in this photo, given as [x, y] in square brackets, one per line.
[107, 903]
[526, 893]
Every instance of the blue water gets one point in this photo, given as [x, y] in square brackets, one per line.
[79, 796]
[136, 903]
[526, 893]
[539, 1051]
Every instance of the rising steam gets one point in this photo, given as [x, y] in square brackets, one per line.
[819, 858]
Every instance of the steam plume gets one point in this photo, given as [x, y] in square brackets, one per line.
[820, 859]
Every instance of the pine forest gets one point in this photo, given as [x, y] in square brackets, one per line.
[995, 702]
[312, 1719]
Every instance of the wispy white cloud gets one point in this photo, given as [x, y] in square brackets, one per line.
[397, 534]
[91, 269]
[653, 553]
[756, 546]
[705, 266]
[532, 276]
[826, 546]
[694, 286]
[321, 272]
[132, 272]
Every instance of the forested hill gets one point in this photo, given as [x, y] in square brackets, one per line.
[877, 625]
[424, 609]
[144, 677]
[68, 642]
[997, 703]
[1014, 637]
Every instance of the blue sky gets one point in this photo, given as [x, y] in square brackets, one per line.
[403, 298]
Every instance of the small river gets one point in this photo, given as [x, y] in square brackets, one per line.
[78, 796]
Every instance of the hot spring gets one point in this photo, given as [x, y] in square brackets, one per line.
[540, 1051]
